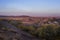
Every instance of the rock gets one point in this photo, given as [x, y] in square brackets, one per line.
[13, 33]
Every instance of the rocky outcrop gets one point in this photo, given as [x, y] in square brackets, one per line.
[10, 32]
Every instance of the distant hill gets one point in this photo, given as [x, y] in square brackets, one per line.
[27, 19]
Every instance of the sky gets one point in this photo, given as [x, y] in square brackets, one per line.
[30, 7]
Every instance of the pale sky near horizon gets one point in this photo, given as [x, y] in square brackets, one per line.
[30, 7]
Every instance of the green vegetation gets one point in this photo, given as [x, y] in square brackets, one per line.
[47, 32]
[44, 32]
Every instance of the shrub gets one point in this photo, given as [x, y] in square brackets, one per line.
[57, 35]
[47, 32]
